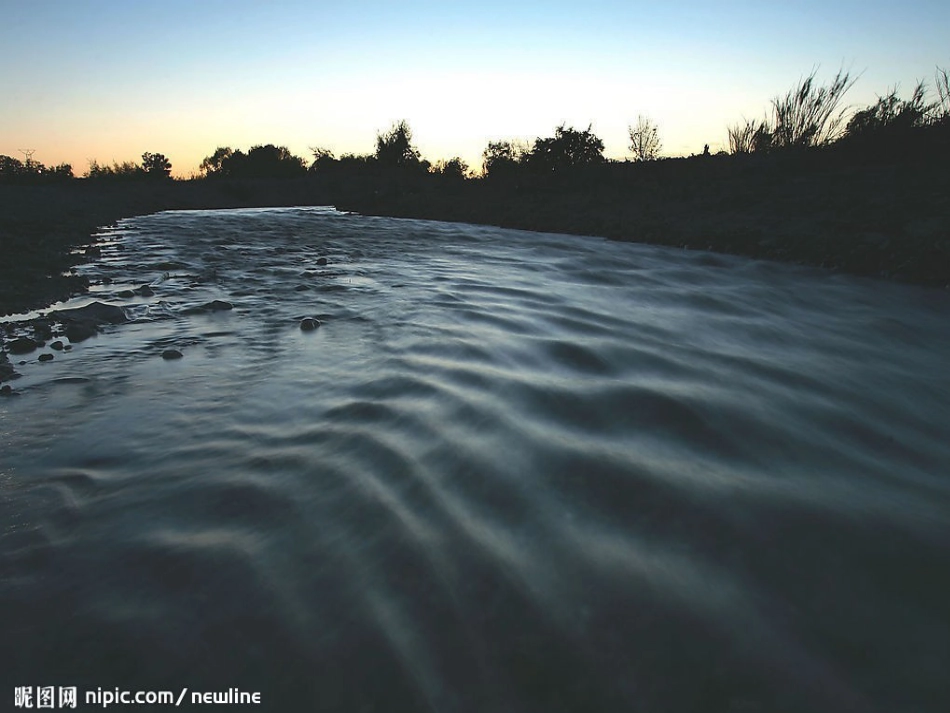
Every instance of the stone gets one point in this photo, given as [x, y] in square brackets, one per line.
[145, 291]
[126, 294]
[57, 345]
[80, 331]
[6, 390]
[94, 312]
[22, 345]
[308, 324]
[46, 357]
[171, 354]
[321, 261]
[42, 328]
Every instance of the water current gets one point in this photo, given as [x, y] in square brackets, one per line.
[508, 472]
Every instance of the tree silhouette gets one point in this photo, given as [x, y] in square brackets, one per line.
[455, 169]
[212, 165]
[500, 158]
[395, 149]
[645, 142]
[267, 161]
[566, 149]
[156, 165]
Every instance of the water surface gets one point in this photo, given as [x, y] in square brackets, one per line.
[509, 472]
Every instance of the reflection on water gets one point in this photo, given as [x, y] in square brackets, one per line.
[509, 472]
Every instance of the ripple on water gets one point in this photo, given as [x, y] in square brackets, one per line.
[509, 472]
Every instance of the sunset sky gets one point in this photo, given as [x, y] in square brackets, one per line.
[110, 79]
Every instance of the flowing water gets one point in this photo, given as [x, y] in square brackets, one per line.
[509, 472]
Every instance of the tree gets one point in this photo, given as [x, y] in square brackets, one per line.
[323, 159]
[455, 169]
[645, 142]
[267, 161]
[501, 157]
[566, 149]
[156, 165]
[212, 165]
[273, 162]
[395, 149]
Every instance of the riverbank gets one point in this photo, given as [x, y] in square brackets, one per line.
[45, 229]
[878, 218]
[887, 217]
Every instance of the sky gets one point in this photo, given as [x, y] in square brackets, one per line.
[111, 79]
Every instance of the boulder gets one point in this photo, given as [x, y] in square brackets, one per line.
[212, 306]
[94, 313]
[80, 331]
[171, 354]
[308, 324]
[46, 357]
[22, 345]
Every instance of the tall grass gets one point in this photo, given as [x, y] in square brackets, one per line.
[808, 115]
[942, 106]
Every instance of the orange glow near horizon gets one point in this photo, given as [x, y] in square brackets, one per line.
[300, 75]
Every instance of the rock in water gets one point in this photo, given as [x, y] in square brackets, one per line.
[171, 354]
[46, 357]
[213, 306]
[22, 345]
[95, 313]
[80, 331]
[309, 324]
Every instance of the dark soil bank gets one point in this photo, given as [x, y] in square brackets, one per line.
[883, 218]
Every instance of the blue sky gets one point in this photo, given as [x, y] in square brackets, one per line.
[110, 79]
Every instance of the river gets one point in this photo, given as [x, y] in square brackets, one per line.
[507, 472]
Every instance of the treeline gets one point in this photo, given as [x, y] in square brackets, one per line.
[809, 116]
[154, 165]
